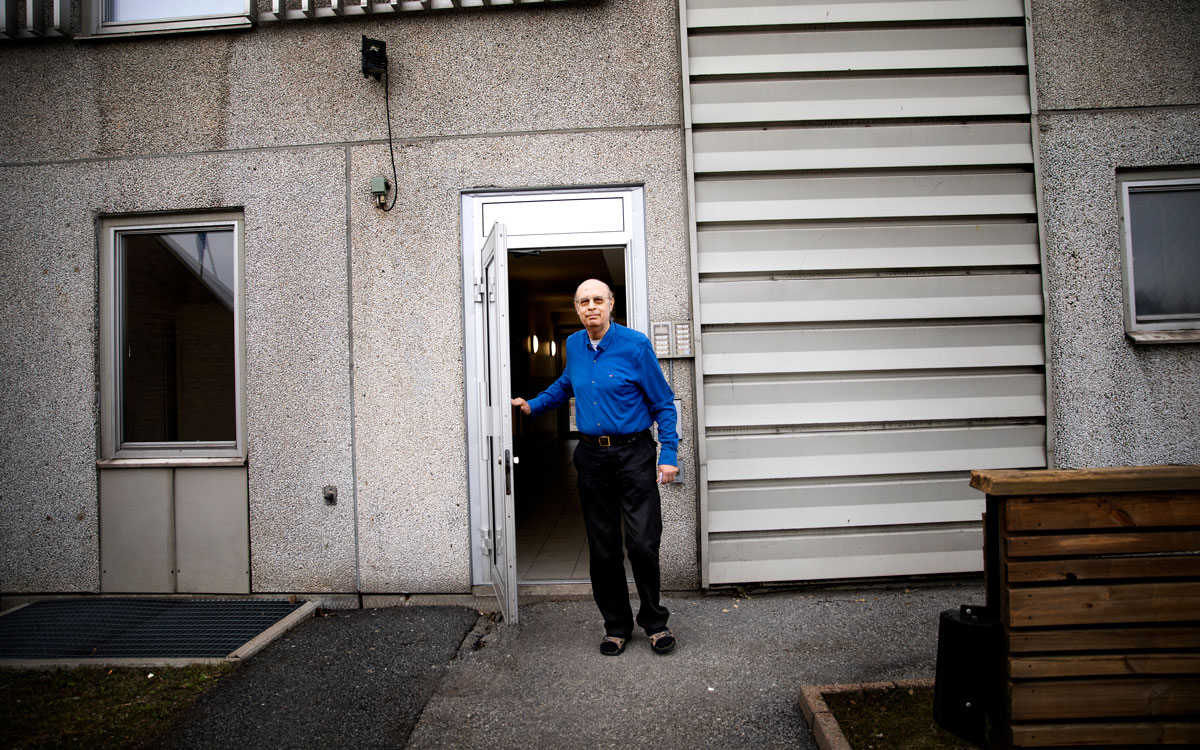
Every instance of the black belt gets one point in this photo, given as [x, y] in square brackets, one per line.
[610, 441]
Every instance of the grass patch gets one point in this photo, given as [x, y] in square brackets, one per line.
[97, 707]
[895, 719]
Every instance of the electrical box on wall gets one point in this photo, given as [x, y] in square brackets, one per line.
[672, 339]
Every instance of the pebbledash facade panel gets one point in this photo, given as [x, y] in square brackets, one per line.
[189, 215]
[880, 245]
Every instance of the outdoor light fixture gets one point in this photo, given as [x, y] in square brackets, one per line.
[375, 65]
[374, 57]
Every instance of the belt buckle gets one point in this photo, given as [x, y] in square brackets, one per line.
[604, 441]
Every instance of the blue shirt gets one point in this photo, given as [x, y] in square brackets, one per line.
[619, 389]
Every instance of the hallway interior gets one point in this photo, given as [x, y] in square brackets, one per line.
[551, 539]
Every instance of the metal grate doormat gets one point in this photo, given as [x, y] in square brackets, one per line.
[137, 628]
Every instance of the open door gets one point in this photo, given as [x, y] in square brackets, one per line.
[496, 436]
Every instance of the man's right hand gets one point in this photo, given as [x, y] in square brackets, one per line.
[523, 404]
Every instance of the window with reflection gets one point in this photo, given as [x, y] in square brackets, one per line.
[129, 17]
[177, 335]
[1161, 220]
[172, 323]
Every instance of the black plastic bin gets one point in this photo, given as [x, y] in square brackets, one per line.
[967, 684]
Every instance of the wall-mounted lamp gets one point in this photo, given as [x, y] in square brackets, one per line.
[375, 65]
[374, 57]
[553, 348]
[379, 188]
[533, 344]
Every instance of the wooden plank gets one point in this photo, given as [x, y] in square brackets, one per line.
[1121, 543]
[1104, 698]
[1075, 481]
[1103, 665]
[1106, 733]
[1104, 639]
[1105, 568]
[1102, 511]
[1093, 605]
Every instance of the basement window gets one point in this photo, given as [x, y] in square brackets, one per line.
[104, 18]
[1160, 238]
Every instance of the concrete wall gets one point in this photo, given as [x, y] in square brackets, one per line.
[280, 122]
[1118, 87]
[403, 315]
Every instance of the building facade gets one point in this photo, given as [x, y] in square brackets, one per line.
[878, 247]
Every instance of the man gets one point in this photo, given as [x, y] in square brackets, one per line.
[619, 390]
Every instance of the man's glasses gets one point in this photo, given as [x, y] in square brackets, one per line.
[597, 301]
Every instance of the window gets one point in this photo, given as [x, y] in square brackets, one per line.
[171, 337]
[1160, 237]
[124, 17]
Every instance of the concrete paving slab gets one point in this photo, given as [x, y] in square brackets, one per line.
[733, 681]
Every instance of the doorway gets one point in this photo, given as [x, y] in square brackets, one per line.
[555, 239]
[551, 544]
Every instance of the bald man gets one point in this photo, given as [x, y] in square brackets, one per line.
[619, 391]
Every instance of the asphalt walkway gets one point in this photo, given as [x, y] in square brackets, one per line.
[350, 678]
[448, 677]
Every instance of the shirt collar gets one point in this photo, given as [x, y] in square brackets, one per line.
[602, 344]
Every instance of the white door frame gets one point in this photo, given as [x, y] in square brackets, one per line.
[542, 218]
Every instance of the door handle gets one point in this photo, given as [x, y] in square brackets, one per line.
[508, 462]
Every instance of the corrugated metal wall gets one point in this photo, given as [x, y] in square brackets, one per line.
[870, 300]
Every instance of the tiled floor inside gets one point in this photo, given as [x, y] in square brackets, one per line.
[551, 540]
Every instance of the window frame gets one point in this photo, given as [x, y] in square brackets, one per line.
[112, 452]
[1178, 330]
[94, 25]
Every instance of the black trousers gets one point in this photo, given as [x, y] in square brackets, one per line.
[616, 484]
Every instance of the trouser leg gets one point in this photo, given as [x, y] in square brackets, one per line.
[599, 496]
[643, 531]
[616, 483]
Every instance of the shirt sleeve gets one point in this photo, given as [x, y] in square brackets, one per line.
[661, 400]
[559, 392]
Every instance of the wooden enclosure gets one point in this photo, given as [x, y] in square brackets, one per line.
[1095, 577]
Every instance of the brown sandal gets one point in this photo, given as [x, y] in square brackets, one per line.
[612, 645]
[662, 641]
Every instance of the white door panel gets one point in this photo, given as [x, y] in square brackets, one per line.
[496, 421]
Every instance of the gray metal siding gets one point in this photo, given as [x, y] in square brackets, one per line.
[869, 293]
